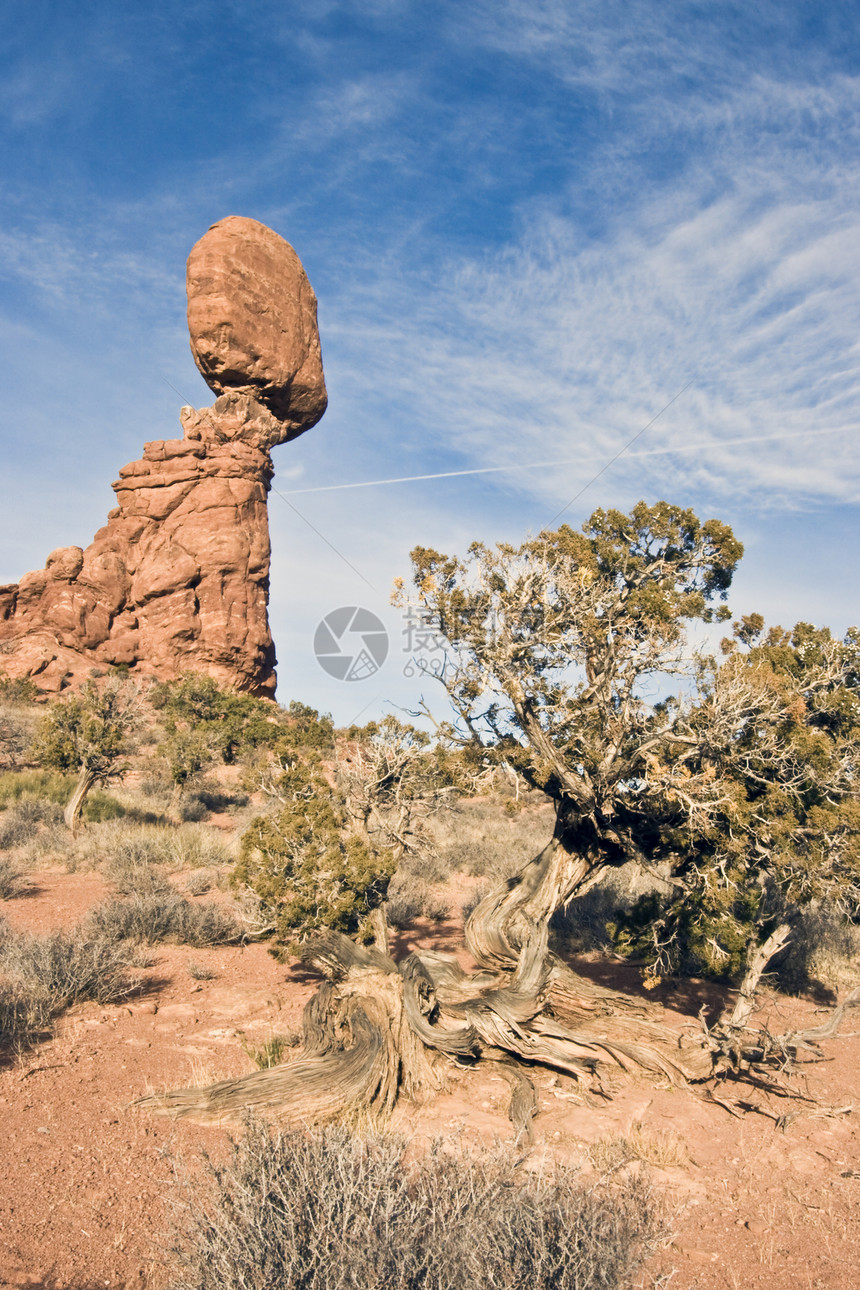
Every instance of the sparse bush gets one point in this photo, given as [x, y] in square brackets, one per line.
[329, 1211]
[199, 882]
[136, 878]
[20, 1024]
[21, 822]
[11, 879]
[158, 917]
[198, 972]
[17, 691]
[16, 732]
[42, 976]
[408, 900]
[192, 810]
[824, 948]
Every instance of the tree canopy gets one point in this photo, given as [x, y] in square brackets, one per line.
[735, 779]
[87, 733]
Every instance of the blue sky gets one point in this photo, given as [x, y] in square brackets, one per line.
[529, 225]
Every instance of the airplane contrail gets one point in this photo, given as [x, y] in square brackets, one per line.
[557, 461]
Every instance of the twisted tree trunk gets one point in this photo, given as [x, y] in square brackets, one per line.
[377, 1028]
[75, 805]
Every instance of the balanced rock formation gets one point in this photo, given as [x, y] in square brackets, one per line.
[178, 579]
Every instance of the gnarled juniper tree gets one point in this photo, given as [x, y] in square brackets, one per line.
[570, 661]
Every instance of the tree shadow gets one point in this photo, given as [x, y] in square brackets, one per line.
[28, 889]
[687, 996]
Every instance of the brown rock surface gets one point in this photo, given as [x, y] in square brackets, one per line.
[252, 317]
[178, 579]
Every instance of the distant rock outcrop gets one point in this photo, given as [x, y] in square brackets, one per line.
[178, 579]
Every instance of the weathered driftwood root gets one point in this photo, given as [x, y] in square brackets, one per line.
[359, 1050]
[377, 1029]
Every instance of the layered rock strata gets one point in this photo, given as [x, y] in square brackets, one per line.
[178, 579]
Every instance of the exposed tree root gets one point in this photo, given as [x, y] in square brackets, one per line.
[377, 1029]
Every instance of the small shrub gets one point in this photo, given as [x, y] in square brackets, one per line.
[192, 810]
[158, 917]
[198, 972]
[20, 824]
[199, 882]
[53, 972]
[410, 900]
[133, 877]
[12, 881]
[327, 1211]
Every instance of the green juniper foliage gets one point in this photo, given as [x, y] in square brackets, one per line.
[87, 734]
[350, 804]
[786, 833]
[221, 721]
[738, 790]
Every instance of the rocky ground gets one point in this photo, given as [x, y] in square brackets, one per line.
[86, 1181]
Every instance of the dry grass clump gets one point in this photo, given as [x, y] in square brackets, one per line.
[163, 916]
[42, 976]
[125, 851]
[325, 1210]
[658, 1147]
[410, 899]
[480, 837]
[12, 880]
[271, 1052]
[824, 949]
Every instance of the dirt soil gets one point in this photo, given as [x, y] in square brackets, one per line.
[85, 1179]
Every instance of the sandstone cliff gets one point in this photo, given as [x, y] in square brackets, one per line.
[178, 579]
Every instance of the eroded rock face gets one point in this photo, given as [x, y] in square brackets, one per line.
[239, 341]
[178, 579]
